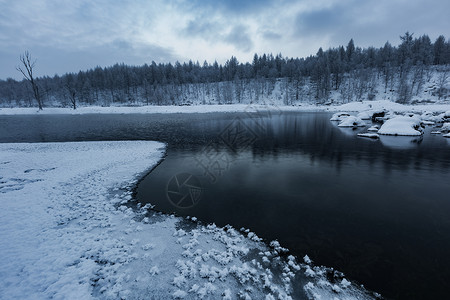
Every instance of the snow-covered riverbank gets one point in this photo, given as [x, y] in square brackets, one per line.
[352, 106]
[68, 233]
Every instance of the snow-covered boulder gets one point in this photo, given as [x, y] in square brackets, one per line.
[402, 125]
[438, 119]
[352, 121]
[427, 116]
[445, 128]
[379, 115]
[447, 114]
[428, 122]
[365, 115]
[339, 116]
[369, 135]
[447, 135]
[374, 128]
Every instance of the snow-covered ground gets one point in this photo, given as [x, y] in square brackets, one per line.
[68, 231]
[350, 107]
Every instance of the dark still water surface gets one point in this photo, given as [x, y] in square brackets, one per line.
[377, 210]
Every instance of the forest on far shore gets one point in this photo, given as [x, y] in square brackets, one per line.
[351, 72]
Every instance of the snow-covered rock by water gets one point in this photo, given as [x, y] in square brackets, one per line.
[369, 135]
[339, 116]
[373, 128]
[67, 231]
[447, 135]
[445, 128]
[402, 125]
[365, 115]
[352, 121]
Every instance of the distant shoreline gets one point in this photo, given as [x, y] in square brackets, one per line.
[152, 109]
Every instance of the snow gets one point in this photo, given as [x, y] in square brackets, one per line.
[339, 116]
[374, 128]
[447, 135]
[402, 125]
[154, 109]
[369, 135]
[365, 107]
[352, 121]
[68, 231]
[379, 105]
[365, 115]
[445, 128]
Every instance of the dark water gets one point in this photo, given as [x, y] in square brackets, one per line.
[377, 210]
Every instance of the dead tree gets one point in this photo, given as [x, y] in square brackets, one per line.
[28, 75]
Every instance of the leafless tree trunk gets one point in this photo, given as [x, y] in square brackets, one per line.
[28, 75]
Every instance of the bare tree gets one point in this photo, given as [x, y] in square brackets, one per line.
[71, 90]
[28, 75]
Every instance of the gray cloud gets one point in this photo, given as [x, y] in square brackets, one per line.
[373, 22]
[240, 38]
[271, 35]
[235, 7]
[69, 35]
[203, 28]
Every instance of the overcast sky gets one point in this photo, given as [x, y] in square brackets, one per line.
[72, 35]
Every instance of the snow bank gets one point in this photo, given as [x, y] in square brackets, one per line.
[401, 125]
[364, 106]
[352, 121]
[155, 109]
[68, 231]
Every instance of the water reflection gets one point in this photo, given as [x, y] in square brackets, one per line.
[401, 142]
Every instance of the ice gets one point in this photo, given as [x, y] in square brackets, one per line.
[402, 125]
[352, 121]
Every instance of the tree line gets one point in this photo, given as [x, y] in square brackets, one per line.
[351, 70]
